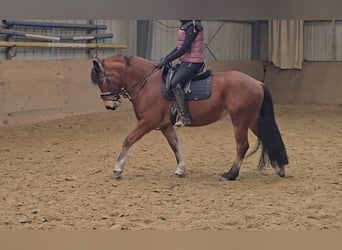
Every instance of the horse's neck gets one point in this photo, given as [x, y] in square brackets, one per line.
[138, 69]
[140, 65]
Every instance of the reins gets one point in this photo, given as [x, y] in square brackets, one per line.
[124, 91]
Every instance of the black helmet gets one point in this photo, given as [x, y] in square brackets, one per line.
[185, 21]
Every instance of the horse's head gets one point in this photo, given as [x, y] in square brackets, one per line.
[110, 90]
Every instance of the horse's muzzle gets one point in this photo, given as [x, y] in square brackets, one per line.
[111, 105]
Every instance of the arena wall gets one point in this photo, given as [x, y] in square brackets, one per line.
[41, 90]
[316, 83]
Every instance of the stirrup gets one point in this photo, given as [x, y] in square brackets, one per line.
[186, 120]
[179, 123]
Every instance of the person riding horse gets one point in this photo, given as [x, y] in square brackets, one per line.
[190, 51]
[246, 100]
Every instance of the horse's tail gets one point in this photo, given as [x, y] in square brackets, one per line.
[272, 143]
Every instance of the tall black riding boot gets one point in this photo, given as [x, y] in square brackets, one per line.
[182, 105]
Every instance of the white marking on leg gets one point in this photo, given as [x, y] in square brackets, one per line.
[121, 161]
[119, 166]
[180, 170]
[280, 171]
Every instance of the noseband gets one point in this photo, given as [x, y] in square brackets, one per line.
[105, 96]
[109, 82]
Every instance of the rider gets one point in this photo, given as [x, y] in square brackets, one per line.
[190, 51]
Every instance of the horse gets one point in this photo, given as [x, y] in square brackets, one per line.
[247, 101]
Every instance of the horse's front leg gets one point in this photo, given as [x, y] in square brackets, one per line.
[171, 136]
[139, 131]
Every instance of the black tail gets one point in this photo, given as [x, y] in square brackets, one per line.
[273, 146]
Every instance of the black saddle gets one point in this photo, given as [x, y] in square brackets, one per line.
[199, 88]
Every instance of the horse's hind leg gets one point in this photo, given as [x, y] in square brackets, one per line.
[280, 170]
[242, 145]
[254, 129]
[171, 136]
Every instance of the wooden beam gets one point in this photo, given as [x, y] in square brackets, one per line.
[64, 38]
[62, 45]
[11, 23]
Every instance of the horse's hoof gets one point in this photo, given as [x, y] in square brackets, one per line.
[117, 174]
[280, 171]
[178, 176]
[228, 176]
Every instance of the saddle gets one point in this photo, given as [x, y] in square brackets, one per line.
[198, 88]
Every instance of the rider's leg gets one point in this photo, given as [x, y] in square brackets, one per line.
[181, 104]
[184, 74]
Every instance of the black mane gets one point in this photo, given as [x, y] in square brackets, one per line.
[127, 60]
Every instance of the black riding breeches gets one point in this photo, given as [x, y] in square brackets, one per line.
[185, 72]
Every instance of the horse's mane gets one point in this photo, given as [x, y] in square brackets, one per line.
[128, 59]
[144, 64]
[139, 59]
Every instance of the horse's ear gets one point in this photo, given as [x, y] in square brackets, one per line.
[97, 65]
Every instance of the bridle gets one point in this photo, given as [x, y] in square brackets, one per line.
[106, 95]
[123, 92]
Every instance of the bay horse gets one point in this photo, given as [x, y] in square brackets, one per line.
[246, 100]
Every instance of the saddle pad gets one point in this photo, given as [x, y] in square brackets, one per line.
[195, 90]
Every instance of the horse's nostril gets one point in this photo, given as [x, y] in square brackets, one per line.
[110, 108]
